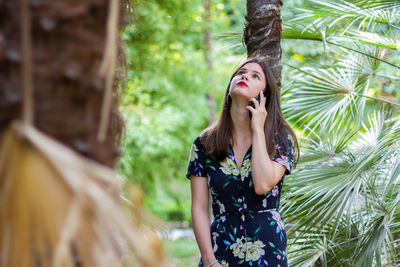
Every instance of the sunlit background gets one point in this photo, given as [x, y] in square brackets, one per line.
[340, 92]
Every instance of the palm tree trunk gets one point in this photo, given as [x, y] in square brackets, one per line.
[262, 33]
[68, 41]
[58, 208]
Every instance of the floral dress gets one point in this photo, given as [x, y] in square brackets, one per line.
[247, 229]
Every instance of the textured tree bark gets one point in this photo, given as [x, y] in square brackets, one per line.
[68, 41]
[57, 208]
[262, 33]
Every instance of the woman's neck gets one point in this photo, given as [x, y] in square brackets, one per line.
[241, 131]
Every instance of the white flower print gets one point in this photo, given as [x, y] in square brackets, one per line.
[254, 250]
[250, 251]
[264, 203]
[228, 167]
[193, 153]
[245, 169]
[221, 207]
[224, 264]
[238, 247]
[277, 217]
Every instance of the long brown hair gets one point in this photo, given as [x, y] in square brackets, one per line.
[215, 138]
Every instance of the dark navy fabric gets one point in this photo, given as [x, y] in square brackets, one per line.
[247, 229]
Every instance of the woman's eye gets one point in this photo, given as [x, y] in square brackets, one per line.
[256, 76]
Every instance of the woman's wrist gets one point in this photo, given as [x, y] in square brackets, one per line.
[208, 259]
[258, 131]
[211, 263]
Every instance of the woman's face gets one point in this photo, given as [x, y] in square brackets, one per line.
[248, 81]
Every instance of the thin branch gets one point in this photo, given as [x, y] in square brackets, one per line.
[320, 38]
[386, 76]
[27, 80]
[379, 99]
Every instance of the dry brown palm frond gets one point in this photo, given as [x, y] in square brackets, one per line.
[107, 67]
[60, 209]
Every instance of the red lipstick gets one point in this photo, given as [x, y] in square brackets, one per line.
[242, 83]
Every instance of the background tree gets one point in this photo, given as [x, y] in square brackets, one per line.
[262, 33]
[165, 99]
[59, 126]
[63, 83]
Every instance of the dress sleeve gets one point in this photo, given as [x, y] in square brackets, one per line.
[284, 153]
[197, 160]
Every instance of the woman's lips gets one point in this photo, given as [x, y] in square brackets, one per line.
[242, 84]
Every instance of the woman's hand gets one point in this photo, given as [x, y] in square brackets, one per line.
[258, 113]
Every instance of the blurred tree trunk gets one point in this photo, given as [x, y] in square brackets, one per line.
[262, 33]
[68, 41]
[207, 54]
[210, 95]
[57, 208]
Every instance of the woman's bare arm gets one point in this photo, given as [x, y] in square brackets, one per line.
[201, 226]
[265, 172]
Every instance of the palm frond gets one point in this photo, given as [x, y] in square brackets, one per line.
[345, 15]
[376, 39]
[329, 37]
[325, 97]
[61, 209]
[389, 4]
[296, 31]
[360, 64]
[355, 191]
[320, 248]
[342, 202]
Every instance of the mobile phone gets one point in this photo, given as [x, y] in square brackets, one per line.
[265, 93]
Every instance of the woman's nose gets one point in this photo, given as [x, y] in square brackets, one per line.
[244, 76]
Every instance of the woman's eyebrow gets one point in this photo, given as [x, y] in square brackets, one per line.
[257, 72]
[253, 71]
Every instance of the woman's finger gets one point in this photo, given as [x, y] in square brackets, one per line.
[255, 102]
[250, 108]
[263, 99]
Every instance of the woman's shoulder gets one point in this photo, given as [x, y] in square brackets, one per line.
[284, 143]
[202, 136]
[198, 142]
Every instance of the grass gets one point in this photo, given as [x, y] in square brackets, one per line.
[184, 252]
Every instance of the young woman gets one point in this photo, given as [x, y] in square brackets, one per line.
[242, 160]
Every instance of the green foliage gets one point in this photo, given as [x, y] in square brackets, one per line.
[165, 99]
[342, 202]
[185, 252]
[340, 91]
